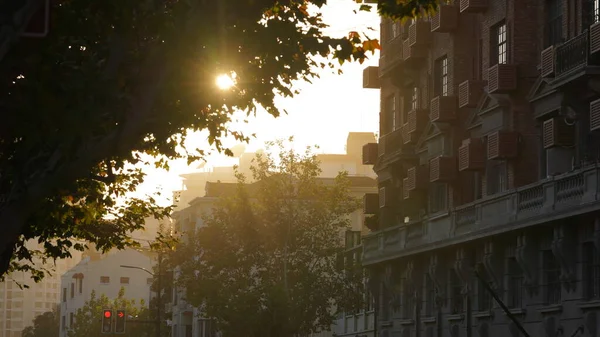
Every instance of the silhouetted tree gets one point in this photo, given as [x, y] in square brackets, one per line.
[118, 83]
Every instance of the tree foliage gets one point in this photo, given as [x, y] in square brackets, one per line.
[88, 319]
[266, 262]
[117, 82]
[44, 325]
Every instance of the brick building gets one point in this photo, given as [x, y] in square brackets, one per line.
[488, 171]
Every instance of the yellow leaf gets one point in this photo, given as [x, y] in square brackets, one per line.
[303, 10]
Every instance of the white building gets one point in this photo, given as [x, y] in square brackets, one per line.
[104, 275]
[202, 192]
[18, 307]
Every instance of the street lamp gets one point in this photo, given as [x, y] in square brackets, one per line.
[158, 297]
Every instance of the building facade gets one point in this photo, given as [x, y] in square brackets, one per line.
[103, 274]
[488, 171]
[20, 306]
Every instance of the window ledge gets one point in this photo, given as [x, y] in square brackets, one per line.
[483, 314]
[517, 311]
[439, 214]
[428, 319]
[406, 321]
[455, 317]
[548, 309]
[386, 324]
[594, 304]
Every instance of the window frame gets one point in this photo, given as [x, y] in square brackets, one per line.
[515, 286]
[591, 271]
[391, 108]
[496, 177]
[551, 276]
[457, 300]
[442, 81]
[499, 44]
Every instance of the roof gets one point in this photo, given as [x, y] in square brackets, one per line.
[219, 189]
[355, 181]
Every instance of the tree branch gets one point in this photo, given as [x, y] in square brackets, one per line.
[154, 72]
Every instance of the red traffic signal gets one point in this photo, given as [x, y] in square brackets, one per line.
[107, 321]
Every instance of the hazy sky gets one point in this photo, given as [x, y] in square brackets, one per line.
[322, 114]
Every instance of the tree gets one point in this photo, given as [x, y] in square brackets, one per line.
[266, 262]
[120, 83]
[44, 325]
[88, 319]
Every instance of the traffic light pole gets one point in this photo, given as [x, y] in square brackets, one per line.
[158, 275]
[158, 295]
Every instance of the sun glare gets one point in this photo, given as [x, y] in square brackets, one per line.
[225, 82]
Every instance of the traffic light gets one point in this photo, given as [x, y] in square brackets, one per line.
[120, 321]
[107, 321]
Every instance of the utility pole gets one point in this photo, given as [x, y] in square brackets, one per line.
[158, 277]
[159, 294]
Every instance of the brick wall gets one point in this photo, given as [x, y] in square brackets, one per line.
[525, 21]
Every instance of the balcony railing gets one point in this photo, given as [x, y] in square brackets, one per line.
[557, 197]
[572, 55]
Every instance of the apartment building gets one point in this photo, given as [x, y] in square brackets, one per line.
[488, 171]
[20, 306]
[188, 321]
[103, 274]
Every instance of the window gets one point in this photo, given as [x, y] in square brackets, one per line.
[384, 307]
[205, 328]
[72, 290]
[429, 295]
[551, 271]
[370, 301]
[394, 29]
[104, 279]
[499, 45]
[456, 296]
[496, 177]
[414, 100]
[553, 27]
[438, 197]
[515, 284]
[591, 271]
[391, 123]
[408, 300]
[441, 77]
[591, 8]
[63, 321]
[71, 319]
[484, 298]
[124, 280]
[80, 285]
[149, 281]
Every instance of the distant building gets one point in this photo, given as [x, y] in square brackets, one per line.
[187, 321]
[18, 307]
[102, 273]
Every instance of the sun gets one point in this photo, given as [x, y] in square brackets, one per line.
[225, 81]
